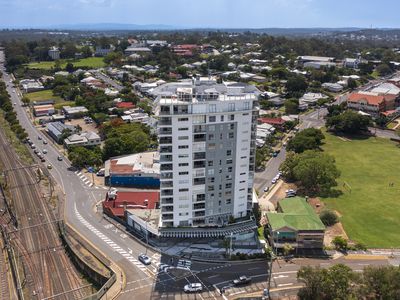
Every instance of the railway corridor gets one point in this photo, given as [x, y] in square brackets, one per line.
[47, 272]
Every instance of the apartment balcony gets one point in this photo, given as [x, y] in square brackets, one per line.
[165, 131]
[166, 167]
[198, 206]
[165, 140]
[199, 138]
[166, 184]
[165, 110]
[181, 110]
[199, 155]
[166, 201]
[165, 122]
[166, 176]
[165, 149]
[199, 164]
[166, 217]
[199, 128]
[199, 147]
[165, 158]
[198, 214]
[199, 181]
[165, 209]
[167, 193]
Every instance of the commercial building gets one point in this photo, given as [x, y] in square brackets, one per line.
[295, 224]
[56, 130]
[75, 111]
[43, 110]
[207, 140]
[84, 139]
[141, 170]
[31, 85]
[54, 53]
[367, 102]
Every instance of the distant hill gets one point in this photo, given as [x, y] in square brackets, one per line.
[110, 27]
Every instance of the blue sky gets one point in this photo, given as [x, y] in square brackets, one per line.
[203, 13]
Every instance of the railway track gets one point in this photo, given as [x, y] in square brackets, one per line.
[48, 272]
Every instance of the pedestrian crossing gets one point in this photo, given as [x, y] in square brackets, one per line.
[88, 182]
[184, 264]
[127, 255]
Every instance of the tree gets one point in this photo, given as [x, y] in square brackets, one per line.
[336, 282]
[340, 243]
[383, 69]
[296, 84]
[291, 106]
[381, 121]
[113, 58]
[351, 83]
[314, 171]
[287, 248]
[25, 100]
[308, 139]
[69, 67]
[328, 217]
[382, 282]
[348, 122]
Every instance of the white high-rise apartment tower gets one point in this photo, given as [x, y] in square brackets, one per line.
[206, 136]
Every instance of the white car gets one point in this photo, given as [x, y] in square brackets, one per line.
[144, 259]
[193, 287]
[44, 151]
[273, 181]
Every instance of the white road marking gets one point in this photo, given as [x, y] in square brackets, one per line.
[285, 284]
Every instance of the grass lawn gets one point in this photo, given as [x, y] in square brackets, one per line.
[370, 209]
[43, 95]
[89, 62]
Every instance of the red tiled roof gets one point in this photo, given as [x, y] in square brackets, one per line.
[388, 112]
[127, 105]
[134, 198]
[371, 99]
[272, 121]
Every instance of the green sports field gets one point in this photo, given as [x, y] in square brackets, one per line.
[369, 206]
[90, 62]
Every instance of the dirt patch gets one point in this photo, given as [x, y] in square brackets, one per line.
[281, 192]
[344, 139]
[333, 231]
[83, 125]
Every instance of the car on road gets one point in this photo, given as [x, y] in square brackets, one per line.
[49, 167]
[275, 154]
[273, 181]
[33, 146]
[42, 159]
[44, 151]
[266, 189]
[241, 280]
[39, 137]
[45, 142]
[59, 158]
[144, 259]
[193, 287]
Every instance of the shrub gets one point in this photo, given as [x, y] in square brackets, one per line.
[329, 217]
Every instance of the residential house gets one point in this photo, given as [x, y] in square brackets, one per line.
[84, 139]
[295, 223]
[31, 85]
[311, 98]
[277, 122]
[332, 87]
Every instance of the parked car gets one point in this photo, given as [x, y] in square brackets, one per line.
[144, 259]
[36, 151]
[241, 280]
[49, 167]
[44, 151]
[42, 159]
[273, 181]
[193, 287]
[266, 189]
[59, 158]
[45, 142]
[39, 137]
[33, 146]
